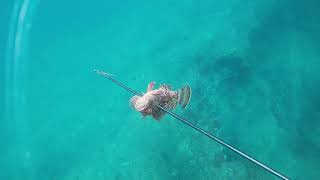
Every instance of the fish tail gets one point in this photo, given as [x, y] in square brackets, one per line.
[184, 96]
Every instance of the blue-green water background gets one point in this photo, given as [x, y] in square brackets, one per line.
[253, 67]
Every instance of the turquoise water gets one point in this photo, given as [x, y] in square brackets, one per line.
[253, 67]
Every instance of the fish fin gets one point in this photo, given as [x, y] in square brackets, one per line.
[151, 86]
[184, 96]
[165, 86]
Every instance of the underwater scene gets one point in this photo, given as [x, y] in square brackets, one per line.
[253, 68]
